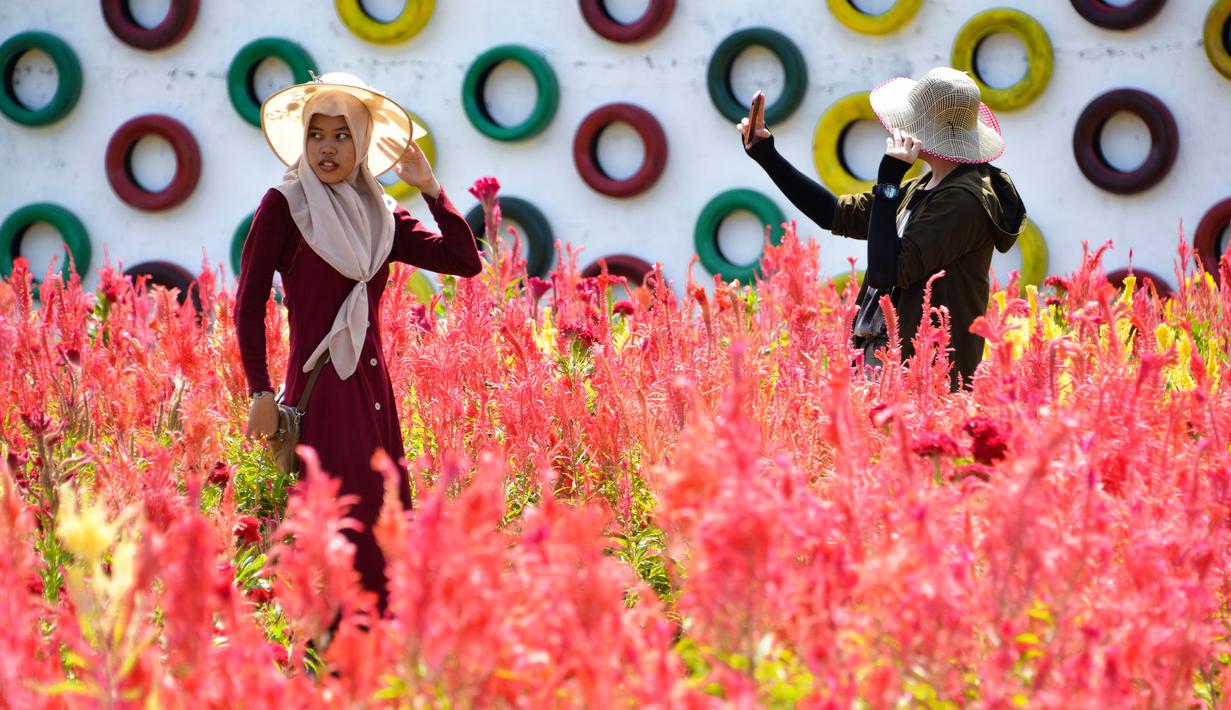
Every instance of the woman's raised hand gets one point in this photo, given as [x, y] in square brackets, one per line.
[752, 128]
[412, 166]
[903, 146]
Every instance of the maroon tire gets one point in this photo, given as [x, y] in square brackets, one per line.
[187, 162]
[169, 276]
[1117, 17]
[1143, 278]
[649, 24]
[1164, 141]
[585, 149]
[630, 267]
[179, 20]
[1209, 232]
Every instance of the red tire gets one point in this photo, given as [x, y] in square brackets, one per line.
[1164, 141]
[630, 267]
[169, 276]
[649, 24]
[187, 162]
[1209, 233]
[1143, 278]
[1118, 17]
[585, 149]
[179, 20]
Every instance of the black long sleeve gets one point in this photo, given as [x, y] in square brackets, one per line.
[884, 246]
[808, 196]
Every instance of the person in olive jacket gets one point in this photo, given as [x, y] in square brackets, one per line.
[949, 219]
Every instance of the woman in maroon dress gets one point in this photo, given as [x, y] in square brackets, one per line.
[331, 232]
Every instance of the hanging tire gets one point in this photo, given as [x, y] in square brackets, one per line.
[72, 232]
[1164, 141]
[169, 276]
[1217, 36]
[705, 238]
[1162, 287]
[399, 190]
[179, 20]
[881, 23]
[187, 162]
[1118, 17]
[632, 268]
[1040, 58]
[585, 149]
[68, 84]
[243, 69]
[1035, 256]
[238, 237]
[545, 103]
[651, 22]
[410, 22]
[794, 69]
[1209, 235]
[541, 243]
[830, 134]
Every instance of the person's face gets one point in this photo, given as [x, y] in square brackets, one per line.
[330, 148]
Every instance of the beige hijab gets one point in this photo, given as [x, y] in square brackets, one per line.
[348, 224]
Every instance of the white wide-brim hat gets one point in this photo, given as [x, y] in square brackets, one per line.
[282, 119]
[943, 111]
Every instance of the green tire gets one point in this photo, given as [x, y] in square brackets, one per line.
[71, 230]
[68, 87]
[717, 210]
[545, 104]
[243, 68]
[794, 68]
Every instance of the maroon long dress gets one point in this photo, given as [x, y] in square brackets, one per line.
[346, 420]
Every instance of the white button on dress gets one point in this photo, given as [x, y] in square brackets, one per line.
[378, 406]
[372, 362]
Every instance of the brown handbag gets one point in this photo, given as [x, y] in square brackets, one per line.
[282, 443]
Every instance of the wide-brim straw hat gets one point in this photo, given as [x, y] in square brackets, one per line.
[282, 119]
[942, 110]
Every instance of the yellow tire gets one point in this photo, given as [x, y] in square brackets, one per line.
[839, 282]
[421, 286]
[1035, 257]
[1040, 59]
[399, 190]
[869, 24]
[406, 25]
[827, 144]
[1217, 36]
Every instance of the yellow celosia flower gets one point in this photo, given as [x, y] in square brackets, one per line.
[84, 530]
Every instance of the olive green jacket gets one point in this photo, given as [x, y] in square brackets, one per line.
[954, 228]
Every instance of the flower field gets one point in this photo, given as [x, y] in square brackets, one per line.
[688, 498]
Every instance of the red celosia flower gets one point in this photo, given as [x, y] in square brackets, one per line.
[538, 287]
[624, 307]
[934, 443]
[219, 474]
[278, 652]
[989, 443]
[248, 530]
[259, 595]
[485, 188]
[34, 584]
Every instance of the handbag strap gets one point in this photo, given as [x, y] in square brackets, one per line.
[307, 390]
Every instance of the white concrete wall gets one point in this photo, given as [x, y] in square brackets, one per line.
[63, 163]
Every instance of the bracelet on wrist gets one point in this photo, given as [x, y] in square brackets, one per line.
[262, 395]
